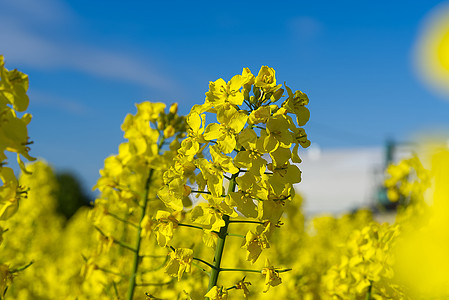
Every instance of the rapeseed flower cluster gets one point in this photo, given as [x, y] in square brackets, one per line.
[126, 213]
[253, 148]
[13, 135]
[13, 138]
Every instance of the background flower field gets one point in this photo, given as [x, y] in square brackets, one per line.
[186, 200]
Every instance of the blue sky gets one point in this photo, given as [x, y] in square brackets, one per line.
[90, 61]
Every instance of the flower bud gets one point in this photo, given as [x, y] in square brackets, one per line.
[174, 108]
[187, 190]
[169, 131]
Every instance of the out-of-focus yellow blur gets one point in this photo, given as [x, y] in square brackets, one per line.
[422, 260]
[431, 56]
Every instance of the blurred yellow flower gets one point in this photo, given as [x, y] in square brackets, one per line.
[432, 50]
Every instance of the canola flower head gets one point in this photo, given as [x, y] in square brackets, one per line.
[407, 180]
[13, 134]
[235, 152]
[129, 210]
[239, 160]
[366, 264]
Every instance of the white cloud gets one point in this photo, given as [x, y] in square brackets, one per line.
[305, 27]
[24, 42]
[42, 11]
[340, 179]
[114, 65]
[62, 104]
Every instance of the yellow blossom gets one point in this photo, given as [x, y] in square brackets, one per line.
[180, 261]
[243, 285]
[232, 122]
[221, 92]
[205, 214]
[266, 78]
[5, 278]
[217, 293]
[271, 276]
[166, 222]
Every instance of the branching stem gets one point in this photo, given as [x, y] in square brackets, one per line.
[237, 235]
[201, 268]
[250, 270]
[246, 221]
[370, 289]
[136, 259]
[121, 244]
[219, 248]
[204, 262]
[122, 220]
[153, 284]
[111, 272]
[191, 226]
[21, 268]
[201, 192]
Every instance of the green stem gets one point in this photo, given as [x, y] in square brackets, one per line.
[246, 221]
[136, 259]
[156, 268]
[204, 262]
[126, 246]
[201, 268]
[191, 226]
[153, 284]
[267, 173]
[218, 253]
[111, 272]
[370, 289]
[121, 244]
[253, 271]
[240, 270]
[248, 104]
[122, 220]
[21, 268]
[237, 235]
[123, 238]
[152, 297]
[153, 256]
[215, 271]
[201, 192]
[115, 290]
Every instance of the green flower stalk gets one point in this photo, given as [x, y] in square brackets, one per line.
[135, 263]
